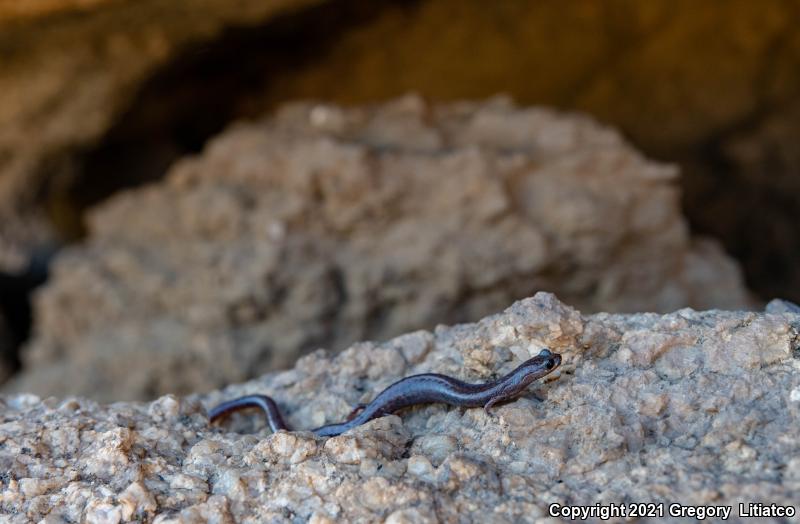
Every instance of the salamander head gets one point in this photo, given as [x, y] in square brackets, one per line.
[513, 384]
[550, 360]
[539, 366]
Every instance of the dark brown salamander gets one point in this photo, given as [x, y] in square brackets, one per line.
[416, 389]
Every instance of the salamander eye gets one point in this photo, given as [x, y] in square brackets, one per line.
[551, 363]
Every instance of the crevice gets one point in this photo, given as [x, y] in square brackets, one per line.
[197, 94]
[16, 313]
[753, 217]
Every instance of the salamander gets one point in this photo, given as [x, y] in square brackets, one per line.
[425, 388]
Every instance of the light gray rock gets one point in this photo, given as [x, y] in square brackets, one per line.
[690, 407]
[323, 226]
[777, 305]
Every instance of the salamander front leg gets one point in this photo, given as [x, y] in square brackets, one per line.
[356, 410]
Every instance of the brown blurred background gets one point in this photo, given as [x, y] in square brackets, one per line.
[100, 96]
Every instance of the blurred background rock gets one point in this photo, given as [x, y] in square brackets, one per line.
[97, 97]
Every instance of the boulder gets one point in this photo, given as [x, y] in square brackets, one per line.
[322, 226]
[692, 407]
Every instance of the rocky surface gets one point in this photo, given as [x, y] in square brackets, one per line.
[323, 226]
[690, 407]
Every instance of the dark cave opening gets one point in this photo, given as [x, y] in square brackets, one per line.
[16, 312]
[204, 89]
[750, 213]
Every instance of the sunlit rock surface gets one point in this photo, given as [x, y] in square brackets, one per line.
[689, 407]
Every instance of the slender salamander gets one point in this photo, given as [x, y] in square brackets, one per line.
[416, 389]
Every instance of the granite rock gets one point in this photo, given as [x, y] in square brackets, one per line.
[322, 226]
[689, 407]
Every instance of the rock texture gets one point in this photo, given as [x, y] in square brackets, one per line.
[323, 226]
[690, 407]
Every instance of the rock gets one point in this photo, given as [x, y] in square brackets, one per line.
[777, 305]
[691, 407]
[323, 226]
